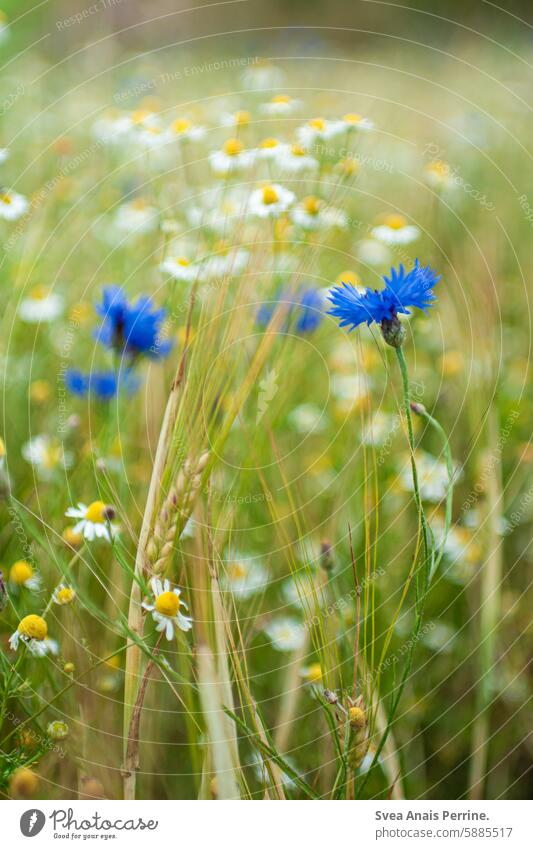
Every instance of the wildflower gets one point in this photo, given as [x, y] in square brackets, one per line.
[312, 674]
[313, 214]
[396, 231]
[94, 520]
[307, 418]
[432, 477]
[12, 205]
[4, 154]
[112, 128]
[233, 157]
[46, 454]
[241, 118]
[135, 218]
[439, 174]
[184, 130]
[23, 783]
[281, 104]
[295, 159]
[103, 385]
[372, 252]
[131, 329]
[402, 290]
[270, 201]
[351, 121]
[225, 262]
[271, 148]
[40, 391]
[33, 632]
[166, 608]
[69, 668]
[305, 309]
[317, 129]
[63, 595]
[262, 75]
[286, 634]
[180, 268]
[22, 574]
[74, 539]
[57, 730]
[244, 576]
[41, 305]
[4, 27]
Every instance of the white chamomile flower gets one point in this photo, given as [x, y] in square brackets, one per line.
[262, 75]
[112, 128]
[272, 149]
[180, 268]
[244, 576]
[41, 305]
[12, 205]
[307, 418]
[63, 595]
[351, 121]
[220, 265]
[270, 201]
[184, 130]
[281, 104]
[233, 157]
[240, 118]
[166, 609]
[47, 454]
[378, 430]
[432, 477]
[150, 136]
[313, 214]
[135, 218]
[286, 634]
[315, 130]
[4, 154]
[439, 174]
[372, 252]
[94, 520]
[32, 631]
[22, 574]
[295, 159]
[395, 230]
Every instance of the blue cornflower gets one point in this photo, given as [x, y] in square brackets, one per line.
[402, 289]
[305, 307]
[131, 329]
[103, 385]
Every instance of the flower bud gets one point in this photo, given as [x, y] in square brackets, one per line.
[393, 332]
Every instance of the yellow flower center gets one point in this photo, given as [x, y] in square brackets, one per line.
[140, 115]
[20, 572]
[242, 118]
[72, 538]
[96, 512]
[311, 205]
[181, 260]
[2, 448]
[298, 150]
[281, 98]
[40, 391]
[270, 195]
[395, 222]
[167, 604]
[317, 123]
[267, 143]
[51, 455]
[352, 118]
[139, 203]
[181, 125]
[39, 293]
[65, 595]
[5, 198]
[314, 673]
[232, 147]
[357, 717]
[349, 166]
[236, 571]
[439, 168]
[33, 626]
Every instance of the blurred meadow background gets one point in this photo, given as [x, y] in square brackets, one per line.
[232, 164]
